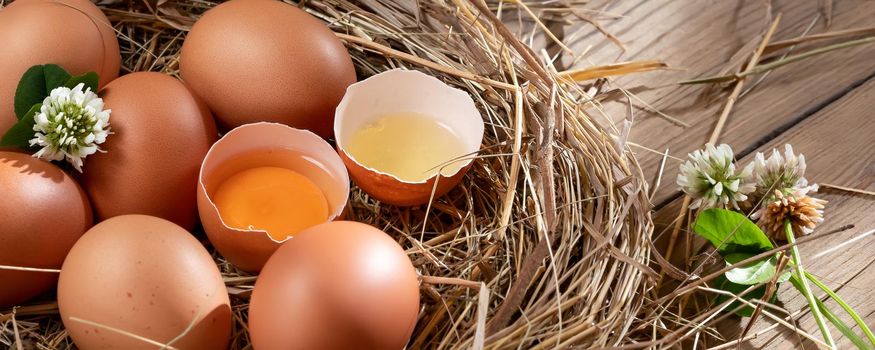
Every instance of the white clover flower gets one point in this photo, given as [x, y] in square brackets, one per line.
[69, 125]
[710, 178]
[782, 192]
[784, 174]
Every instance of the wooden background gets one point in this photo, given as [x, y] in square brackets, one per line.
[823, 106]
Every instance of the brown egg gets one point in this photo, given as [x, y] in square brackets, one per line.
[145, 276]
[42, 214]
[161, 134]
[257, 145]
[73, 34]
[339, 285]
[264, 60]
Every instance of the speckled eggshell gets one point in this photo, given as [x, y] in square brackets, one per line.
[264, 60]
[161, 134]
[338, 285]
[146, 276]
[73, 34]
[42, 214]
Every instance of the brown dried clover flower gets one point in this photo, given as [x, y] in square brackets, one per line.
[804, 213]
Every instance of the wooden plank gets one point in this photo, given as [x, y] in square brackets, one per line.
[700, 37]
[837, 143]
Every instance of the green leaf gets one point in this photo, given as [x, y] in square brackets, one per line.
[90, 80]
[784, 277]
[755, 273]
[731, 232]
[724, 284]
[21, 132]
[35, 85]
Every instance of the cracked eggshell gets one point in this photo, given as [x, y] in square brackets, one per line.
[265, 60]
[73, 34]
[42, 214]
[146, 276]
[161, 133]
[398, 91]
[254, 145]
[338, 285]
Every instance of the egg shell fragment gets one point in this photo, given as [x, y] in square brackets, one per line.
[338, 285]
[250, 249]
[146, 276]
[161, 133]
[42, 214]
[73, 34]
[265, 60]
[397, 91]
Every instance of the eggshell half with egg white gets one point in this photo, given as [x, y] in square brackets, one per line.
[73, 34]
[161, 133]
[397, 91]
[42, 214]
[255, 145]
[145, 276]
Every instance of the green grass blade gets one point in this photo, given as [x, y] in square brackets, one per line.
[805, 289]
[857, 319]
[835, 320]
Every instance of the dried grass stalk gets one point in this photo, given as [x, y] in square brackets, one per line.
[551, 211]
[622, 68]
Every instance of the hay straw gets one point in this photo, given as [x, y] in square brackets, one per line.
[783, 44]
[622, 68]
[847, 189]
[766, 67]
[552, 223]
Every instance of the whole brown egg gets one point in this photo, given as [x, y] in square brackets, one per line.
[42, 214]
[264, 60]
[73, 34]
[161, 133]
[145, 276]
[338, 285]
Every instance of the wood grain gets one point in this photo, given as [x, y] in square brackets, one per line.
[698, 38]
[837, 144]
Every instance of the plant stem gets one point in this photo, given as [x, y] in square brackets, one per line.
[775, 64]
[844, 306]
[836, 321]
[812, 302]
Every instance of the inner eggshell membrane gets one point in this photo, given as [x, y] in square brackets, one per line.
[275, 145]
[265, 145]
[411, 93]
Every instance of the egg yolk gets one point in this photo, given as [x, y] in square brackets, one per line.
[273, 199]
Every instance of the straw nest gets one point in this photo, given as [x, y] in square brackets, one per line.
[546, 242]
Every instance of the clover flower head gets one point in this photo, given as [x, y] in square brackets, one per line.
[70, 125]
[803, 212]
[710, 177]
[782, 173]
